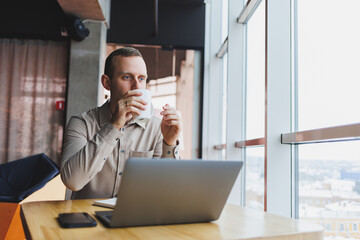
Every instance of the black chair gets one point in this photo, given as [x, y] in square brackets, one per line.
[20, 178]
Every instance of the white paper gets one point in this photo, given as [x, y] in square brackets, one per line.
[110, 203]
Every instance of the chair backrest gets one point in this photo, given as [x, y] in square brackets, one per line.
[20, 178]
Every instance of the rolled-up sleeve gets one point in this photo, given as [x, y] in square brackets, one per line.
[162, 150]
[82, 159]
[170, 151]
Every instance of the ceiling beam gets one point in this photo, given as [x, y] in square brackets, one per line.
[97, 10]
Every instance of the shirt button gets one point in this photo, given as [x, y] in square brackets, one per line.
[176, 152]
[122, 129]
[122, 150]
[120, 173]
[104, 159]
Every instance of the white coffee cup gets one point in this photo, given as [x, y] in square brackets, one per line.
[146, 95]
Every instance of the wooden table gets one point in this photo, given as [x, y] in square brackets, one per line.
[39, 221]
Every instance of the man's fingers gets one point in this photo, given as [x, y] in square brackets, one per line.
[140, 100]
[172, 123]
[130, 100]
[168, 107]
[137, 104]
[171, 117]
[168, 112]
[132, 110]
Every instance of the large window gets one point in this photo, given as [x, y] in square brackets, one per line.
[295, 83]
[255, 74]
[255, 107]
[328, 81]
[255, 177]
[328, 63]
[329, 187]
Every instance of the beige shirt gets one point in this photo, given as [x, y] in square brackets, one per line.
[95, 152]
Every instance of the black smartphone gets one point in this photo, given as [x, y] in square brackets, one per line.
[76, 220]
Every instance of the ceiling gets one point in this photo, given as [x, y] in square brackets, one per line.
[38, 19]
[180, 23]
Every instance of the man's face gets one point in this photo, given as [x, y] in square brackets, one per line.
[129, 73]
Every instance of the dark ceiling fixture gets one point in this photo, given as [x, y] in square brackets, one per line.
[176, 23]
[76, 28]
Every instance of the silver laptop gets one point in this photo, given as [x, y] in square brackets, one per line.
[168, 191]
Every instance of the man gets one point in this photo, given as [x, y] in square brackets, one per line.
[99, 141]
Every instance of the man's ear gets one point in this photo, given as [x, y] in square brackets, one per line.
[105, 81]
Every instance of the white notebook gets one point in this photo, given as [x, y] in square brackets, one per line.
[109, 203]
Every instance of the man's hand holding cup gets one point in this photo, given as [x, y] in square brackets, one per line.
[170, 125]
[134, 103]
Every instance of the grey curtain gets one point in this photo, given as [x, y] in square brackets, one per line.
[32, 79]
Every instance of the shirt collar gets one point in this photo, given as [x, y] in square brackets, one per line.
[105, 116]
[141, 122]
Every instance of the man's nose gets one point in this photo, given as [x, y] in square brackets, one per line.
[135, 83]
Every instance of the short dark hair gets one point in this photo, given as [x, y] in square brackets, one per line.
[123, 52]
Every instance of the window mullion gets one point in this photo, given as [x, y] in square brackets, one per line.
[278, 107]
[236, 96]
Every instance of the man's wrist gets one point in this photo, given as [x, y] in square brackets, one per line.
[117, 126]
[170, 143]
[171, 151]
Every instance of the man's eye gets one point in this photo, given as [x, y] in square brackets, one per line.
[142, 79]
[126, 77]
